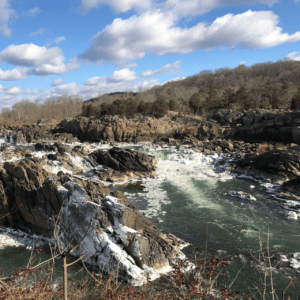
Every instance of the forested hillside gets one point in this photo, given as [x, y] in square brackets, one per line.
[264, 85]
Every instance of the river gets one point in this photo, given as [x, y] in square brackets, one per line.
[187, 199]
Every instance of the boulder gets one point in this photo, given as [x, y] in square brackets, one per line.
[115, 236]
[280, 165]
[124, 160]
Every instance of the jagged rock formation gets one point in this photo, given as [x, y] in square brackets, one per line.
[254, 125]
[244, 125]
[123, 163]
[278, 165]
[125, 160]
[118, 129]
[119, 238]
[260, 124]
[33, 134]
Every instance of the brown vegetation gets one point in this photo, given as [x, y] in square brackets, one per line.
[26, 111]
[263, 85]
[204, 282]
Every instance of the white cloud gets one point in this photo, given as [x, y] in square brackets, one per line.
[122, 75]
[242, 63]
[70, 88]
[293, 55]
[13, 91]
[169, 68]
[91, 87]
[129, 40]
[56, 82]
[31, 55]
[14, 74]
[119, 6]
[43, 61]
[38, 32]
[6, 14]
[60, 39]
[95, 80]
[33, 92]
[182, 8]
[32, 12]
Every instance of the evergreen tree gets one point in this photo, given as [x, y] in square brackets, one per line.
[172, 105]
[159, 107]
[295, 104]
[195, 103]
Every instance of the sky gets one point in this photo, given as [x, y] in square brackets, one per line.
[90, 47]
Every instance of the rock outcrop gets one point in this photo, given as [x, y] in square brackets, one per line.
[260, 124]
[125, 160]
[243, 125]
[122, 164]
[35, 133]
[254, 125]
[120, 238]
[278, 165]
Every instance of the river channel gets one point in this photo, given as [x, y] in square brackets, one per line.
[188, 199]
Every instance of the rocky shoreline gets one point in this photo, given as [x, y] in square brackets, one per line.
[37, 178]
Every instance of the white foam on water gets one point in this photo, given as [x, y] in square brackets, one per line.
[55, 167]
[180, 170]
[240, 194]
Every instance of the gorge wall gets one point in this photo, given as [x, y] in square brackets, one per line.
[255, 125]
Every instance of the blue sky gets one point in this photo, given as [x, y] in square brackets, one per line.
[88, 47]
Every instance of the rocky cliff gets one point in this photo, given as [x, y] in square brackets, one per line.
[120, 238]
[255, 125]
[260, 124]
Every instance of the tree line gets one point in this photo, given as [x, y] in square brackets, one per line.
[27, 111]
[264, 85]
[130, 108]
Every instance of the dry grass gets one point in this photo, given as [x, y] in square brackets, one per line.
[204, 282]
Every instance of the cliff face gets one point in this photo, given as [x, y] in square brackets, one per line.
[120, 130]
[255, 125]
[251, 125]
[120, 238]
[260, 125]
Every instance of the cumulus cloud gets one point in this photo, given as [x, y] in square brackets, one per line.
[42, 60]
[293, 55]
[242, 63]
[169, 68]
[182, 8]
[122, 75]
[95, 80]
[56, 82]
[13, 91]
[14, 74]
[6, 14]
[38, 32]
[119, 6]
[91, 87]
[130, 39]
[60, 39]
[179, 8]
